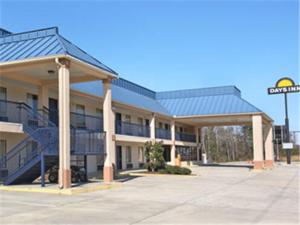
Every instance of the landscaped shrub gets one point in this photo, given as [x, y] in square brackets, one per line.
[154, 156]
[176, 170]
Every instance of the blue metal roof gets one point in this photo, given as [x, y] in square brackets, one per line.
[41, 43]
[123, 95]
[199, 92]
[202, 101]
[207, 105]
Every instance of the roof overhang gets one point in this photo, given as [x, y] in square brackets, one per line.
[233, 119]
[93, 71]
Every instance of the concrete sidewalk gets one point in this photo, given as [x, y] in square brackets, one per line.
[218, 195]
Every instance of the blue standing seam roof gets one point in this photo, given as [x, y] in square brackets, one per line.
[122, 95]
[201, 101]
[41, 43]
[193, 102]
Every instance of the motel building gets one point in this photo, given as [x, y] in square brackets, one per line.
[61, 106]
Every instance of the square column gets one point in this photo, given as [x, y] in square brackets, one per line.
[152, 128]
[64, 123]
[269, 148]
[173, 146]
[109, 128]
[197, 132]
[258, 158]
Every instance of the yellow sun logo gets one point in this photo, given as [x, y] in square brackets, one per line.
[285, 82]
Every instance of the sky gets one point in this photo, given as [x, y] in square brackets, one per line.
[169, 45]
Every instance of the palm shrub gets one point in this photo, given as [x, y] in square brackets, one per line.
[154, 156]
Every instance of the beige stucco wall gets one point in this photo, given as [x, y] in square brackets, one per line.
[134, 154]
[17, 91]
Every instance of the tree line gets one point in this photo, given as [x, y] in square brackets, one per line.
[227, 143]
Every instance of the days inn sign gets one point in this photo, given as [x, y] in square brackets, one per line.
[284, 85]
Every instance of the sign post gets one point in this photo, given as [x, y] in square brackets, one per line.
[284, 86]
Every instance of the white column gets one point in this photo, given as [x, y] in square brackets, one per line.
[197, 142]
[257, 142]
[109, 128]
[64, 123]
[269, 148]
[173, 146]
[152, 128]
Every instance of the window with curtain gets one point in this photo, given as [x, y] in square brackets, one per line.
[141, 155]
[128, 154]
[80, 118]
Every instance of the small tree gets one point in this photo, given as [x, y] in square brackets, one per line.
[154, 156]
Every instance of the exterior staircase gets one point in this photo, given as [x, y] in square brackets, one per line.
[38, 152]
[22, 164]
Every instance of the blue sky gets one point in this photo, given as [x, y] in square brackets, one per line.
[166, 45]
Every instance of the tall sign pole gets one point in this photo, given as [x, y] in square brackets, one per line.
[287, 138]
[284, 86]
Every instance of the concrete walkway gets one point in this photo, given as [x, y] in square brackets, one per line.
[219, 195]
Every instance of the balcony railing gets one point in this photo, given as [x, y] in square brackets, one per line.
[87, 142]
[19, 112]
[185, 137]
[132, 129]
[88, 122]
[162, 133]
[77, 120]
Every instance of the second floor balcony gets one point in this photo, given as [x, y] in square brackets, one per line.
[162, 133]
[132, 129]
[185, 137]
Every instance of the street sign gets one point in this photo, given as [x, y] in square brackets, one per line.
[284, 85]
[287, 145]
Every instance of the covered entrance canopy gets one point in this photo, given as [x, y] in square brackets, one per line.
[222, 106]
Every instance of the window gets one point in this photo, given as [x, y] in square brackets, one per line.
[3, 106]
[3, 150]
[32, 101]
[167, 126]
[160, 125]
[180, 129]
[127, 118]
[99, 112]
[80, 118]
[140, 121]
[3, 93]
[141, 154]
[128, 154]
[31, 149]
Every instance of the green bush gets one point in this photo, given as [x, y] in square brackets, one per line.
[154, 156]
[176, 170]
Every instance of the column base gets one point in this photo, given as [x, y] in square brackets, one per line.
[269, 164]
[108, 174]
[66, 179]
[258, 165]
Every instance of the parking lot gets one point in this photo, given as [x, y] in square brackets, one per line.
[218, 195]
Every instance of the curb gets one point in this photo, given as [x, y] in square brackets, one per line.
[71, 191]
[160, 174]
